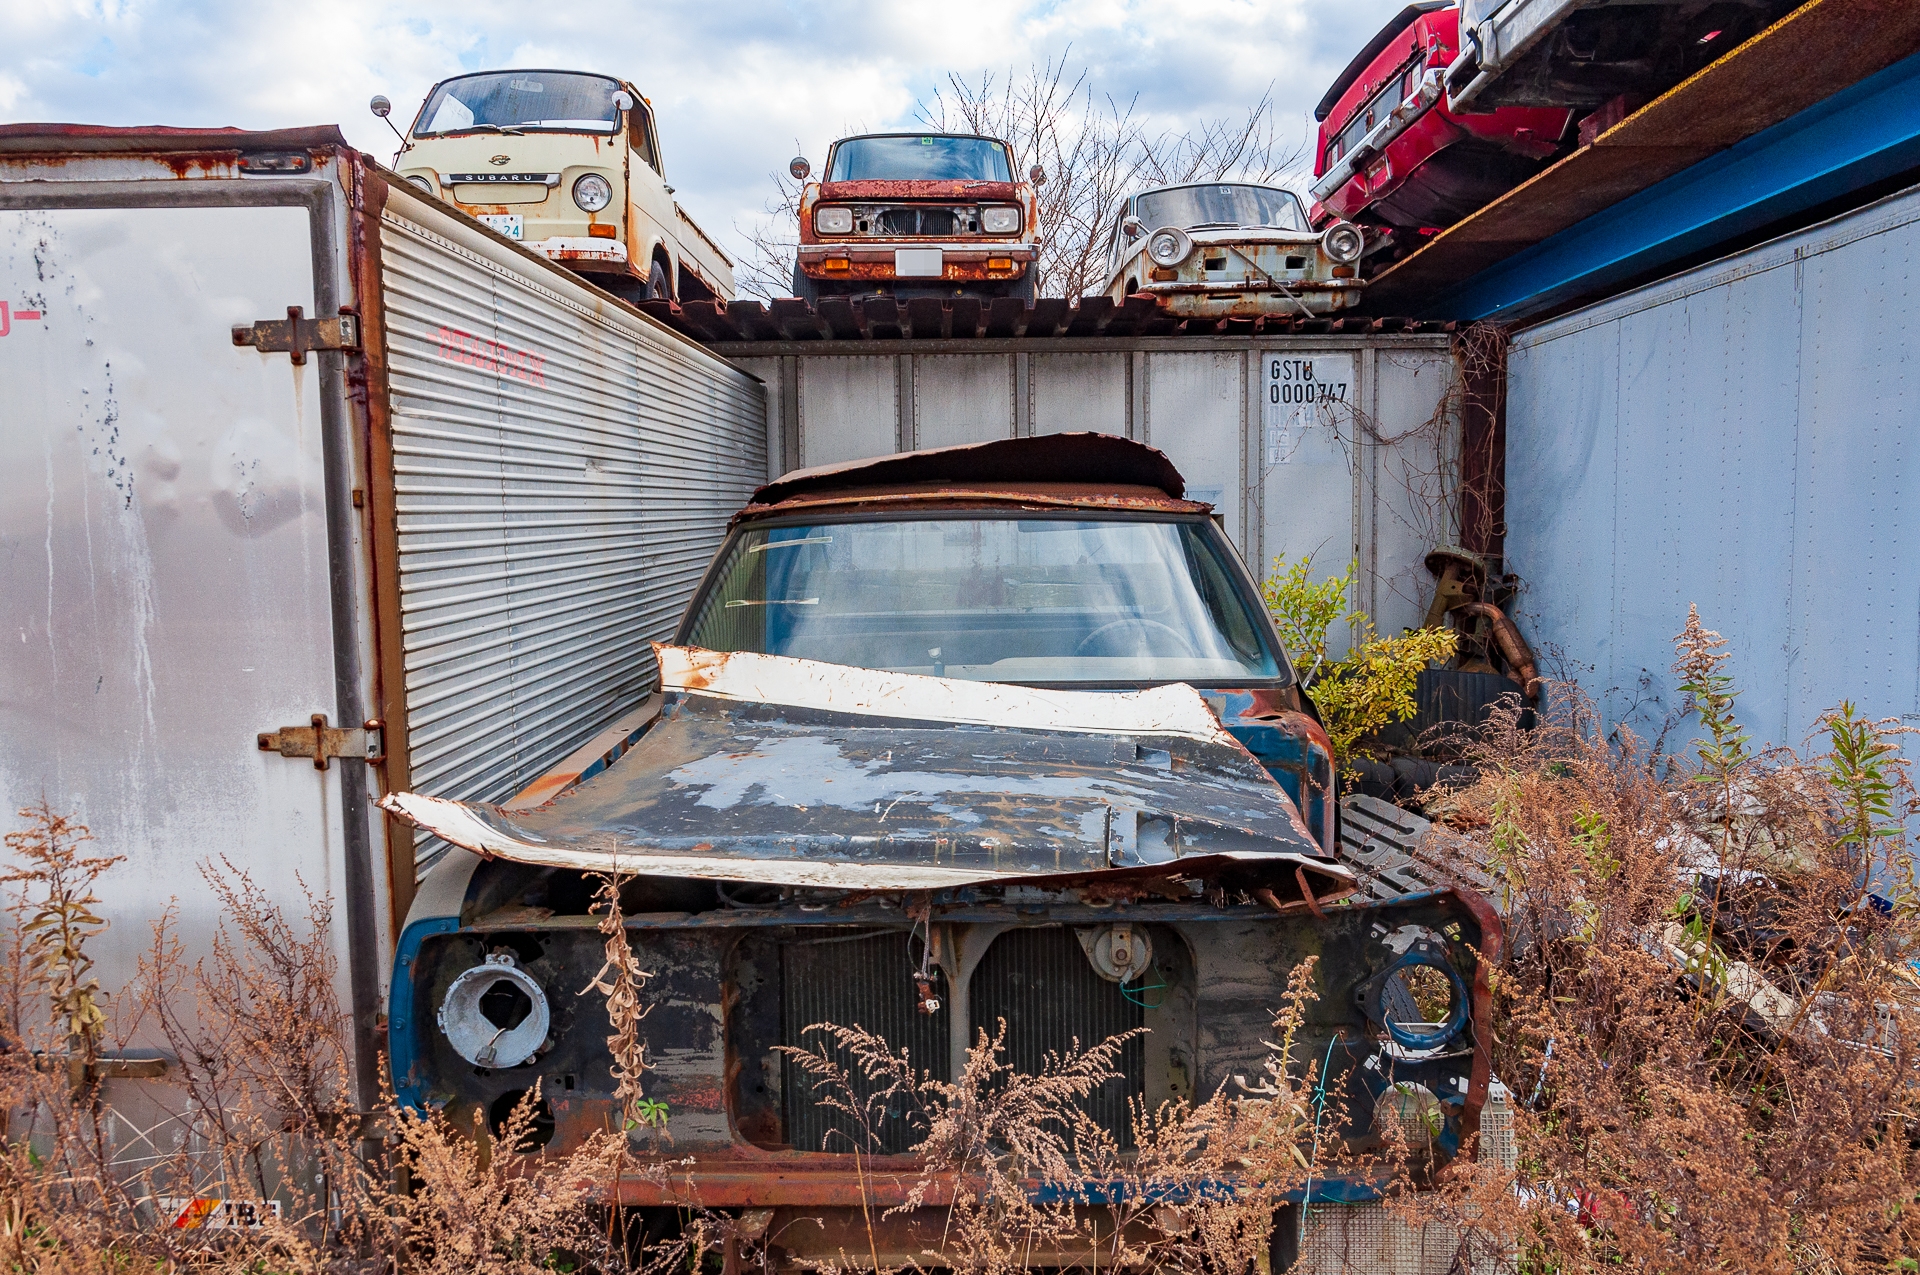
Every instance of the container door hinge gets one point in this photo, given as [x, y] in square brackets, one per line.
[323, 742]
[296, 335]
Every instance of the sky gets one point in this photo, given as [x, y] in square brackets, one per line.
[736, 83]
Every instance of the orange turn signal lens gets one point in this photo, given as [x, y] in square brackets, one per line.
[1163, 274]
[602, 232]
[999, 263]
[836, 263]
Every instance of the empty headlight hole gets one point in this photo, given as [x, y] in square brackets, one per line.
[538, 1133]
[1422, 1002]
[495, 1014]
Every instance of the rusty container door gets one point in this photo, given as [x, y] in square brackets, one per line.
[563, 470]
[176, 557]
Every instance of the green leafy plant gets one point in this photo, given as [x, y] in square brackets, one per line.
[1372, 686]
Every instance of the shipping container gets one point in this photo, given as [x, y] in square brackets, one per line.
[1737, 437]
[1343, 446]
[316, 490]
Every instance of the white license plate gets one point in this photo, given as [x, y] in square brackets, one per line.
[919, 263]
[507, 224]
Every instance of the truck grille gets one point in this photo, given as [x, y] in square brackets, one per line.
[865, 981]
[915, 221]
[1042, 984]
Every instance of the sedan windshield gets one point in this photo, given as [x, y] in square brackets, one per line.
[860, 159]
[1190, 207]
[557, 101]
[991, 599]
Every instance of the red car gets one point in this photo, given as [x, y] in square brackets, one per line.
[1393, 159]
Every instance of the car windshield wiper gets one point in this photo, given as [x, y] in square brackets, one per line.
[491, 128]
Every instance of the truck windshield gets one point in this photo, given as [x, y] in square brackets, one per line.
[1189, 207]
[556, 101]
[991, 599]
[861, 159]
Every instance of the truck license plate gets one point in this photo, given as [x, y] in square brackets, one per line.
[919, 263]
[507, 224]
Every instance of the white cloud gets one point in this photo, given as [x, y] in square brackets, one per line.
[735, 83]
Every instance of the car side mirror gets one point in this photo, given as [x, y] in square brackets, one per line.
[799, 167]
[1037, 175]
[1133, 228]
[380, 106]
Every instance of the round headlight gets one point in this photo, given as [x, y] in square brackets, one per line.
[1000, 221]
[592, 192]
[833, 221]
[1169, 246]
[1343, 242]
[423, 183]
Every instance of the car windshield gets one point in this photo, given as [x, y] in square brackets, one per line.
[991, 599]
[859, 159]
[1222, 205]
[559, 101]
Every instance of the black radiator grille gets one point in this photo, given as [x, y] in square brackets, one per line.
[916, 221]
[856, 982]
[1041, 982]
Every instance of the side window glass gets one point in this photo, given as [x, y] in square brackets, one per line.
[640, 129]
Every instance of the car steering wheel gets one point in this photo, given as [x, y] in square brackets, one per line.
[1180, 639]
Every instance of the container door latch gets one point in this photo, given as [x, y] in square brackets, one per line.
[295, 335]
[323, 742]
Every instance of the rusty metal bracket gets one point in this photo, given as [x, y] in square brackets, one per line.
[322, 742]
[295, 335]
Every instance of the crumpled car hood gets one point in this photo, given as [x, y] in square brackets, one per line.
[795, 772]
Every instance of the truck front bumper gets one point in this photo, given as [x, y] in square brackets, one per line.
[572, 250]
[959, 262]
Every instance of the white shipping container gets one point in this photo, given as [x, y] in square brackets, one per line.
[463, 522]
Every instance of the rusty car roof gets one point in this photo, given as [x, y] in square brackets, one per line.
[1074, 471]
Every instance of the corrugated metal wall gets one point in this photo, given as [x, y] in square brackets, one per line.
[1741, 437]
[563, 472]
[1372, 475]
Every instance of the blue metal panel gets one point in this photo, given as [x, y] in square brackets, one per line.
[1859, 136]
[1738, 437]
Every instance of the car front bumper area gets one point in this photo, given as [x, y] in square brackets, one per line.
[1251, 301]
[889, 260]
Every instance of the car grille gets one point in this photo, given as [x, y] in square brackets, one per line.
[1041, 983]
[915, 221]
[865, 981]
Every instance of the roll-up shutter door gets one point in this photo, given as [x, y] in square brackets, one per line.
[563, 472]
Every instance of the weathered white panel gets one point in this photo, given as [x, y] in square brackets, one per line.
[1410, 442]
[962, 398]
[1080, 392]
[1195, 407]
[1308, 455]
[1738, 437]
[848, 408]
[164, 558]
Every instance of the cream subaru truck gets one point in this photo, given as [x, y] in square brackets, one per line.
[568, 164]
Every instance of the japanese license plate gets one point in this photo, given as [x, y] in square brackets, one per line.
[919, 263]
[507, 224]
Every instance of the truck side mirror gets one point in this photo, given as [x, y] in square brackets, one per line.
[1037, 175]
[1133, 228]
[380, 106]
[623, 100]
[799, 167]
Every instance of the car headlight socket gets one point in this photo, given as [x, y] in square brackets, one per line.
[1169, 246]
[495, 1014]
[1343, 243]
[833, 221]
[592, 192]
[1000, 220]
[424, 183]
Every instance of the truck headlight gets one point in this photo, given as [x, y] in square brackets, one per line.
[833, 221]
[1169, 246]
[1343, 242]
[592, 192]
[495, 1015]
[424, 183]
[1000, 220]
